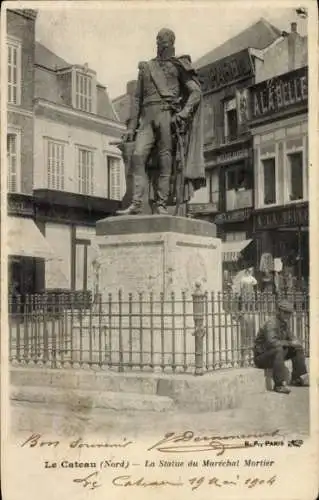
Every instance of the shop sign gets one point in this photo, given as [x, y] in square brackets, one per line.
[234, 216]
[279, 93]
[229, 157]
[286, 217]
[232, 156]
[226, 71]
[20, 207]
[197, 208]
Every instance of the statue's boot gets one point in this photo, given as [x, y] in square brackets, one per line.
[162, 195]
[136, 207]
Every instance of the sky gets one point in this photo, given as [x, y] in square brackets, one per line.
[112, 37]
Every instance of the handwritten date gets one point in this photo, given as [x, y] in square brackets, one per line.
[92, 481]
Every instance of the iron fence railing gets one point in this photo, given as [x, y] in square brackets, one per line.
[199, 332]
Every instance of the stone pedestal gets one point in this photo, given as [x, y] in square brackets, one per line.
[149, 265]
[159, 254]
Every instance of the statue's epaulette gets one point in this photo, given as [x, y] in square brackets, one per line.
[186, 61]
[142, 65]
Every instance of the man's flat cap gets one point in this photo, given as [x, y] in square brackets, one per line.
[285, 305]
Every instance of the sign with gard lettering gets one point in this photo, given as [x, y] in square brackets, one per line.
[279, 94]
[226, 71]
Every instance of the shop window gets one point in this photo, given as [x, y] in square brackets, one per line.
[269, 177]
[113, 177]
[55, 164]
[14, 72]
[295, 176]
[231, 121]
[85, 171]
[239, 177]
[83, 92]
[13, 162]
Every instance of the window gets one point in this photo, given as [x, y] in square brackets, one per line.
[213, 186]
[295, 176]
[13, 162]
[14, 72]
[235, 236]
[85, 171]
[113, 178]
[208, 118]
[230, 118]
[269, 178]
[55, 164]
[238, 177]
[83, 92]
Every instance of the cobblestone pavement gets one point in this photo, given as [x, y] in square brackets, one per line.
[264, 412]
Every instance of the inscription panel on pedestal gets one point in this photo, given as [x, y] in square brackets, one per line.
[132, 267]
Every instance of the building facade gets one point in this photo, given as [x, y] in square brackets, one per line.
[27, 246]
[79, 175]
[226, 73]
[279, 126]
[64, 172]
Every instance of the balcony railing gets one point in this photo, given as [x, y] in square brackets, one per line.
[210, 205]
[231, 137]
[238, 198]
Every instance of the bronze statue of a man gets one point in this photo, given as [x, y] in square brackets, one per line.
[166, 126]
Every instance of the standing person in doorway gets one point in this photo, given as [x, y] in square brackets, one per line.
[244, 287]
[274, 344]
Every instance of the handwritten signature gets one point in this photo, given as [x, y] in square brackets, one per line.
[188, 441]
[92, 481]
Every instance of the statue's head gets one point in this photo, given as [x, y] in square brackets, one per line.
[165, 40]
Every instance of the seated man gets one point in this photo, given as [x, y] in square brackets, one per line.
[274, 344]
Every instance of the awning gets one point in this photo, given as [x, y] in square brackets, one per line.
[26, 240]
[231, 249]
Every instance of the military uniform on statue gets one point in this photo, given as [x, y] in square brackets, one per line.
[166, 128]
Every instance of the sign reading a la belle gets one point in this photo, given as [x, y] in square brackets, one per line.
[279, 93]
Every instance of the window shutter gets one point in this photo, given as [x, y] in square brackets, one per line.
[12, 157]
[91, 172]
[13, 73]
[83, 92]
[115, 179]
[85, 171]
[55, 164]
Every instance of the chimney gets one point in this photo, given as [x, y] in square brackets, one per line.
[292, 47]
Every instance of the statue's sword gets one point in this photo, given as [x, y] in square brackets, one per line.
[180, 170]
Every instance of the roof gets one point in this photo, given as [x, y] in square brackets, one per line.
[44, 57]
[122, 106]
[50, 61]
[258, 36]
